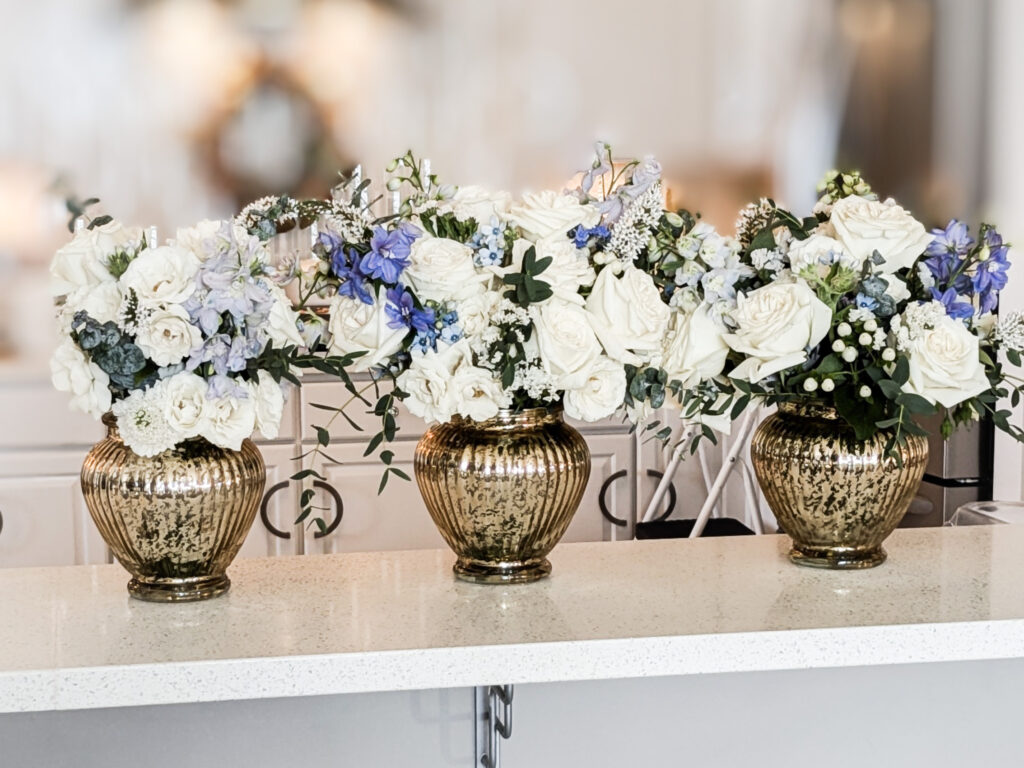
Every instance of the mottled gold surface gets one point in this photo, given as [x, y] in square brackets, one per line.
[836, 497]
[176, 520]
[502, 492]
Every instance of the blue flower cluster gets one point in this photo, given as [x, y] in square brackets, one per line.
[387, 258]
[488, 244]
[584, 237]
[965, 270]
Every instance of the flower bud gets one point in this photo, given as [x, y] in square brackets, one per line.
[810, 385]
[844, 329]
[870, 326]
[888, 354]
[828, 385]
[864, 391]
[864, 339]
[850, 354]
[394, 185]
[838, 345]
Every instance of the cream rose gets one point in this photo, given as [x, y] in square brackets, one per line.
[945, 367]
[475, 313]
[601, 393]
[268, 399]
[477, 203]
[569, 270]
[565, 341]
[161, 275]
[231, 420]
[476, 394]
[864, 226]
[628, 315]
[694, 350]
[82, 263]
[88, 384]
[102, 302]
[283, 322]
[358, 327]
[543, 214]
[777, 324]
[443, 270]
[428, 383]
[167, 335]
[186, 407]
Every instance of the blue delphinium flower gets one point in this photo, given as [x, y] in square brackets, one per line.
[866, 302]
[946, 254]
[347, 267]
[581, 235]
[990, 274]
[389, 253]
[402, 312]
[950, 300]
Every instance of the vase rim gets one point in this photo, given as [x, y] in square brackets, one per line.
[510, 417]
[810, 407]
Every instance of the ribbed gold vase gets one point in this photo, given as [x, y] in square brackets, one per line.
[175, 521]
[838, 498]
[503, 491]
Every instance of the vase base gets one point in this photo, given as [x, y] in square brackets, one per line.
[178, 590]
[837, 560]
[508, 573]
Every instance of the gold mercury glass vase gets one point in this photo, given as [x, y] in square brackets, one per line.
[175, 521]
[838, 498]
[503, 491]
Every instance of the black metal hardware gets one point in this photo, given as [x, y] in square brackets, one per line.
[603, 505]
[263, 511]
[671, 495]
[338, 505]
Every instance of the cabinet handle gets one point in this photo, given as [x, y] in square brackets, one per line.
[603, 505]
[339, 507]
[263, 511]
[671, 495]
[1, 522]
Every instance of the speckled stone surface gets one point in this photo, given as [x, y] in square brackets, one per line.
[71, 637]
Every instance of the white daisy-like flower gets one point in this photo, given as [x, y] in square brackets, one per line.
[142, 423]
[1010, 331]
[861, 315]
[633, 229]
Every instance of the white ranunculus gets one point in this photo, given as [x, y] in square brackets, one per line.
[165, 274]
[186, 407]
[358, 327]
[428, 383]
[818, 253]
[283, 322]
[82, 263]
[167, 335]
[142, 423]
[543, 214]
[475, 313]
[628, 315]
[601, 393]
[477, 203]
[864, 226]
[87, 383]
[101, 302]
[570, 268]
[231, 420]
[476, 394]
[443, 270]
[565, 340]
[777, 324]
[694, 350]
[945, 366]
[268, 398]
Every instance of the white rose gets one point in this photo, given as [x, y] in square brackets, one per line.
[268, 398]
[478, 203]
[570, 268]
[101, 302]
[694, 349]
[443, 270]
[896, 289]
[88, 384]
[358, 327]
[565, 341]
[475, 313]
[212, 236]
[817, 253]
[777, 323]
[628, 315]
[476, 394]
[283, 322]
[945, 365]
[167, 335]
[231, 420]
[186, 407]
[428, 383]
[600, 395]
[82, 263]
[165, 274]
[542, 214]
[864, 226]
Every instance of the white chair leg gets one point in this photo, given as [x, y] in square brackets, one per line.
[666, 478]
[752, 505]
[723, 474]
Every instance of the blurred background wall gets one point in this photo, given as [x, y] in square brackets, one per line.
[176, 110]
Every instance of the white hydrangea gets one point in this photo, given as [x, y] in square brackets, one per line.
[767, 259]
[916, 319]
[142, 424]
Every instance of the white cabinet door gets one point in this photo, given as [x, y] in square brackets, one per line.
[274, 532]
[44, 518]
[612, 470]
[397, 519]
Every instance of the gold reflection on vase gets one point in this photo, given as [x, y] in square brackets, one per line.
[838, 498]
[503, 491]
[175, 521]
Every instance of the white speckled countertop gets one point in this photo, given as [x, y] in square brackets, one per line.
[71, 638]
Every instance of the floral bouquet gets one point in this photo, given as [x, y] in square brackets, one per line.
[857, 306]
[192, 338]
